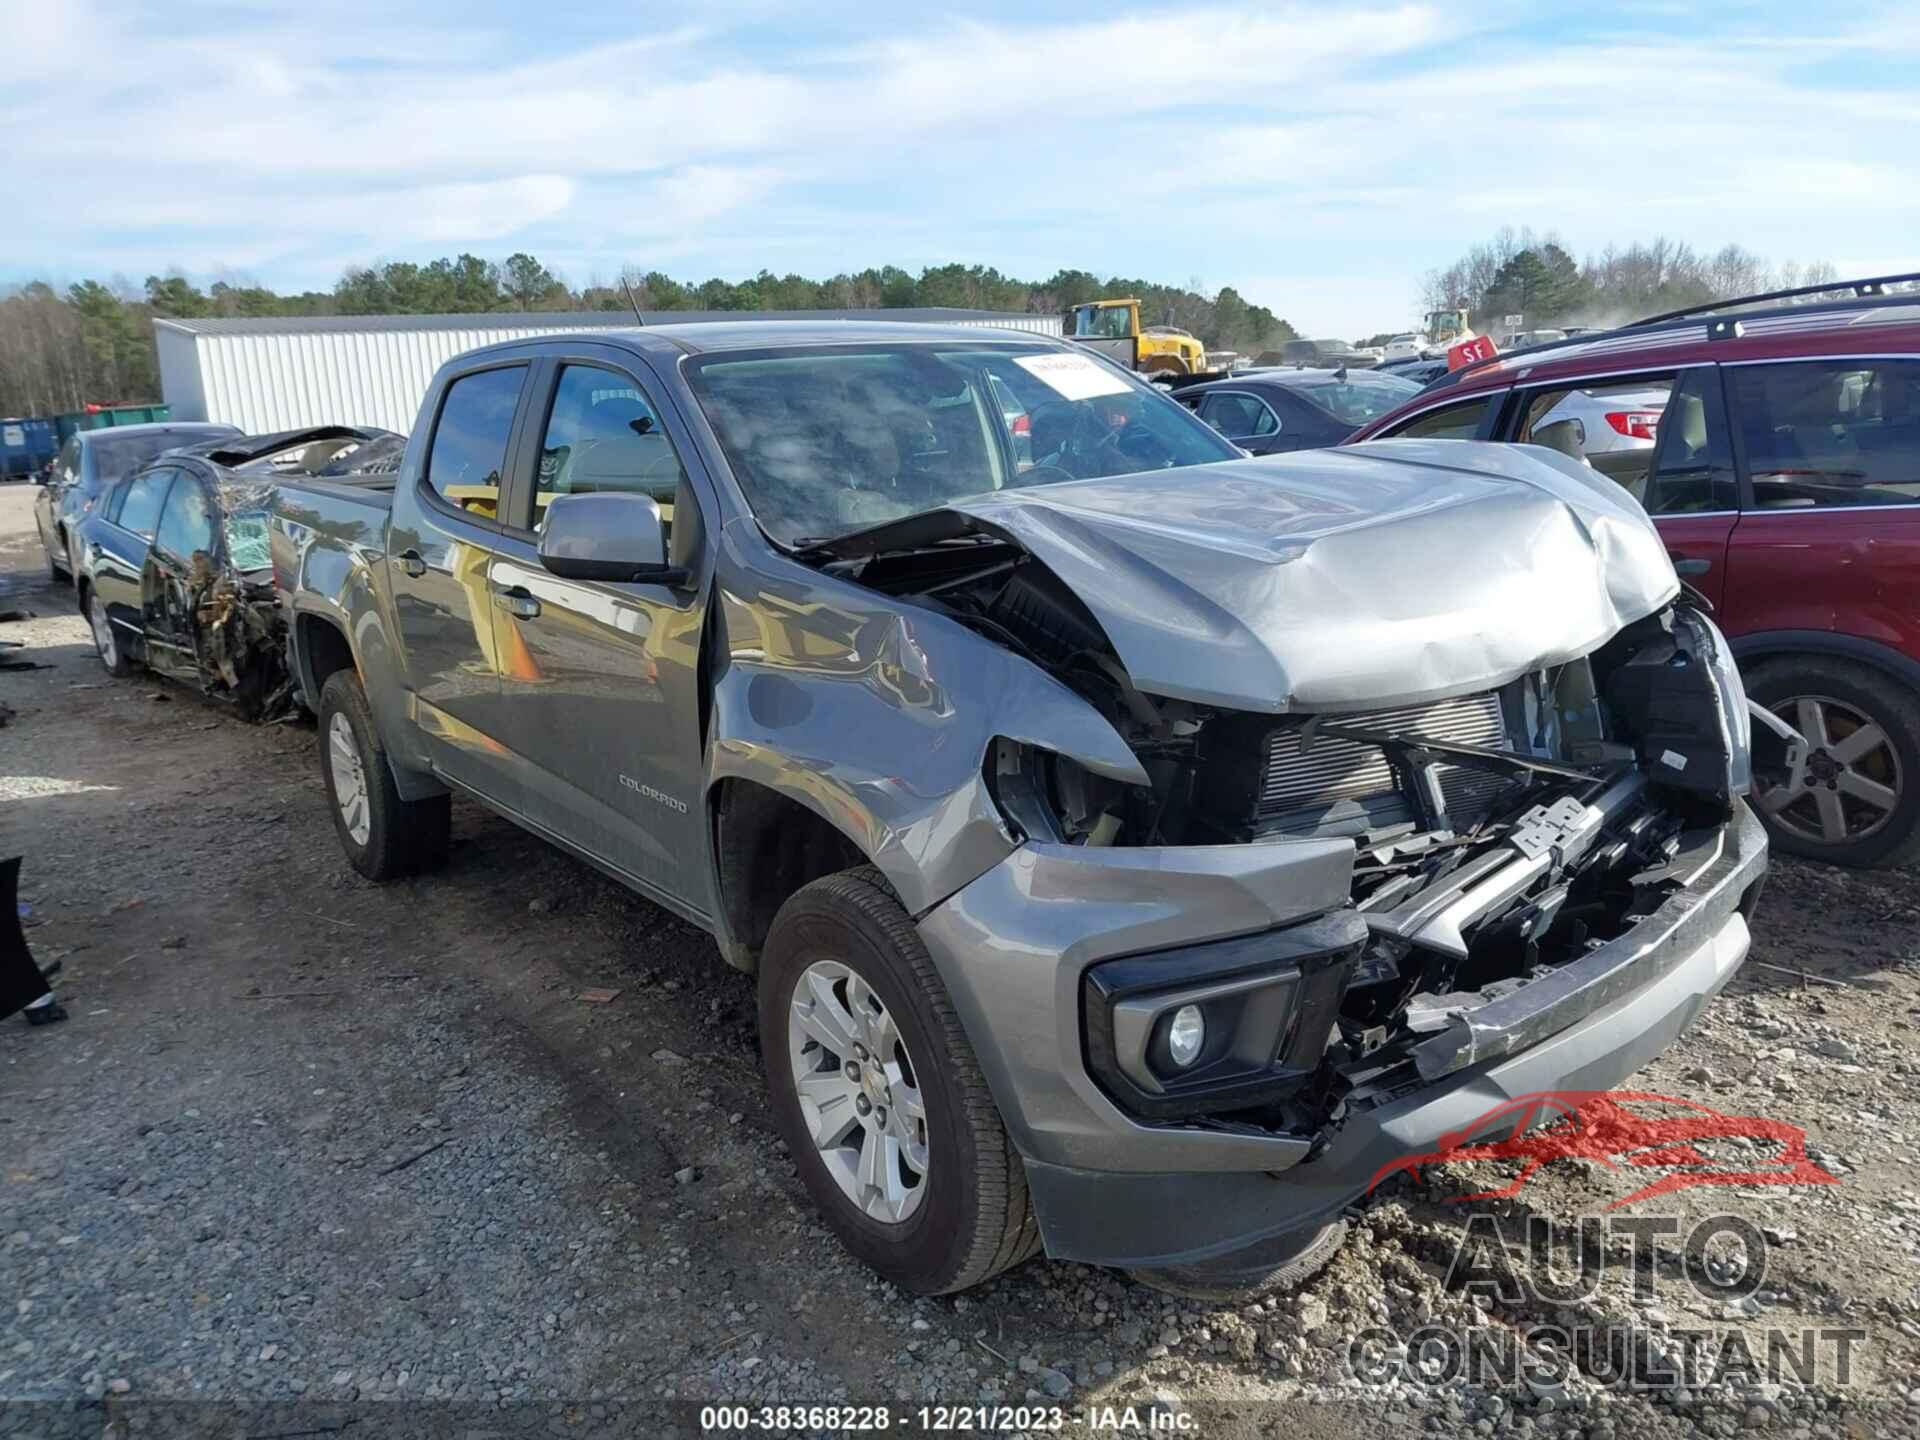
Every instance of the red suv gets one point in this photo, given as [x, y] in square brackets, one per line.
[1777, 447]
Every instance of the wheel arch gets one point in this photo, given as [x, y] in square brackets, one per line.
[767, 844]
[1751, 650]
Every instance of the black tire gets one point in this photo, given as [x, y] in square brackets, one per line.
[1282, 1263]
[403, 837]
[1883, 701]
[975, 1219]
[111, 650]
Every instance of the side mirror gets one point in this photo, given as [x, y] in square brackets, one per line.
[615, 537]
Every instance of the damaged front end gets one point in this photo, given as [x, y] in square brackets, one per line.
[1512, 851]
[240, 642]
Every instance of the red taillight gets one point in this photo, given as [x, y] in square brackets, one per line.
[1636, 424]
[1021, 425]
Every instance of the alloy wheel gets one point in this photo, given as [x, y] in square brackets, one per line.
[349, 779]
[103, 640]
[858, 1092]
[1848, 784]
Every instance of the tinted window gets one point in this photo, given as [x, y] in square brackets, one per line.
[829, 440]
[1360, 398]
[1238, 416]
[1449, 422]
[602, 434]
[140, 504]
[1613, 425]
[1693, 466]
[68, 465]
[186, 524]
[115, 456]
[469, 449]
[1831, 433]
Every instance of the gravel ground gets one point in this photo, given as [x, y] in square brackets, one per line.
[308, 1148]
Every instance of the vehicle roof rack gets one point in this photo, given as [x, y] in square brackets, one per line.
[1871, 289]
[1874, 288]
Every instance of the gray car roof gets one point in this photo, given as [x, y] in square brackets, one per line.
[705, 338]
[556, 319]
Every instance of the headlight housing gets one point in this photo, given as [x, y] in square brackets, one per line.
[1251, 1017]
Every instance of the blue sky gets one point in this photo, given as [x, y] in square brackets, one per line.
[1319, 158]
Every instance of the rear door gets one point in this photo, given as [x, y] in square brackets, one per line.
[440, 544]
[602, 714]
[1830, 534]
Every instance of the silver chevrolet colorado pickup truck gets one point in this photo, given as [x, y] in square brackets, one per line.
[1140, 847]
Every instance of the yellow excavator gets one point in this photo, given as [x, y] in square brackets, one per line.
[1113, 327]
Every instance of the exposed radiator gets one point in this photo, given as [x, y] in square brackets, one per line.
[1304, 787]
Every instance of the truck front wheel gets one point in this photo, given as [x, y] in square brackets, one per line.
[384, 836]
[879, 1096]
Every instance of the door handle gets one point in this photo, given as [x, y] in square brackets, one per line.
[1687, 568]
[411, 562]
[518, 603]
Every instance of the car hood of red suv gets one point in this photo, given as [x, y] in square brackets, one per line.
[1324, 580]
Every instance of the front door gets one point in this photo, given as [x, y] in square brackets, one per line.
[184, 555]
[438, 549]
[601, 680]
[117, 558]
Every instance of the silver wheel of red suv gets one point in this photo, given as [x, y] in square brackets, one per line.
[1853, 799]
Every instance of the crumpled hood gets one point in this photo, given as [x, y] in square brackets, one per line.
[1359, 578]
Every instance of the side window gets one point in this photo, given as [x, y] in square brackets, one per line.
[1613, 425]
[186, 523]
[469, 449]
[1830, 433]
[1238, 416]
[115, 498]
[603, 435]
[1449, 422]
[1693, 464]
[140, 501]
[67, 467]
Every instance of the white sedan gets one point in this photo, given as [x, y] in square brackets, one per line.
[1406, 347]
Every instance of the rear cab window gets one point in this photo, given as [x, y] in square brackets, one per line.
[1829, 433]
[468, 455]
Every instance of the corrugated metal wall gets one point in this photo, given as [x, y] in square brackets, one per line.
[264, 383]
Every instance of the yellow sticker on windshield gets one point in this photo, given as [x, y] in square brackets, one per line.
[1073, 376]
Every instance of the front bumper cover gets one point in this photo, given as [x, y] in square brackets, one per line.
[1107, 1189]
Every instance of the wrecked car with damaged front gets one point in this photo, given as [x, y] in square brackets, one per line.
[171, 568]
[1138, 845]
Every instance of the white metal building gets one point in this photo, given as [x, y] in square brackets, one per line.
[284, 372]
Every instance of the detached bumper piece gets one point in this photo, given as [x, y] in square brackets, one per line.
[1265, 1005]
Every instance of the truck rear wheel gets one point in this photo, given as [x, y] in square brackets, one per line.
[384, 836]
[878, 1094]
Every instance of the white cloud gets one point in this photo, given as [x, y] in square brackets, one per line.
[1319, 158]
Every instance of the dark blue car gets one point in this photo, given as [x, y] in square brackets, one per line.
[1267, 411]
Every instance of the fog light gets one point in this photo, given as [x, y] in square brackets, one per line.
[1186, 1035]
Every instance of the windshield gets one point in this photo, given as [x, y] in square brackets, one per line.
[1359, 398]
[247, 540]
[829, 440]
